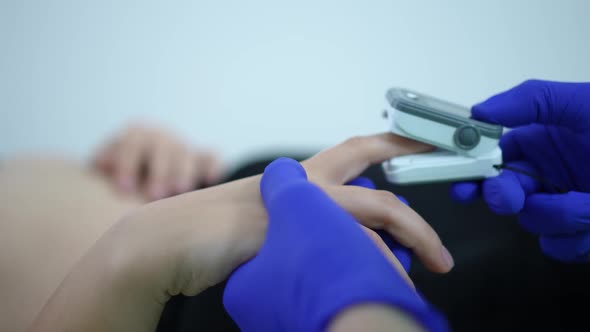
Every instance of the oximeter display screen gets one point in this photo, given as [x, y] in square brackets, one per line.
[440, 111]
[446, 107]
[434, 104]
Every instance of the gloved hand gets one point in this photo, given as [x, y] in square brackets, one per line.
[316, 262]
[550, 139]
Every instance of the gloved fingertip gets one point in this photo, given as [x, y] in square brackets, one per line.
[579, 205]
[465, 192]
[567, 250]
[286, 168]
[503, 194]
[556, 214]
[483, 112]
[522, 171]
[280, 174]
[362, 181]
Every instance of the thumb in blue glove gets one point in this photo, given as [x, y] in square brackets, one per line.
[546, 157]
[316, 262]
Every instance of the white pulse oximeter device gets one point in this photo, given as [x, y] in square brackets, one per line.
[467, 149]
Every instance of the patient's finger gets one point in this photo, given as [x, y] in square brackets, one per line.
[160, 163]
[382, 209]
[347, 160]
[127, 162]
[186, 170]
[103, 160]
[388, 254]
[403, 254]
[212, 168]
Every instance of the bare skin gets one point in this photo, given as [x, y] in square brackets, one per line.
[51, 211]
[373, 318]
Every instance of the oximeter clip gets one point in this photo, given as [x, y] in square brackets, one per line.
[467, 149]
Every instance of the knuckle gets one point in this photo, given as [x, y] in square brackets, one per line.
[386, 197]
[394, 224]
[535, 86]
[416, 235]
[136, 128]
[531, 82]
[428, 234]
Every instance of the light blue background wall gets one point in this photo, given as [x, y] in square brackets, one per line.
[247, 76]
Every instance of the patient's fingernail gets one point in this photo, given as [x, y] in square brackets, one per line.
[447, 258]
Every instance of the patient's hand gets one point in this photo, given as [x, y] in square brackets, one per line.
[184, 244]
[156, 163]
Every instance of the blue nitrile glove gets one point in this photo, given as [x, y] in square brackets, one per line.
[550, 140]
[316, 262]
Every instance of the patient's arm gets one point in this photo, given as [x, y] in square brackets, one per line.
[51, 211]
[373, 318]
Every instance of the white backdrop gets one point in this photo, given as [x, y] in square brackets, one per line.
[248, 76]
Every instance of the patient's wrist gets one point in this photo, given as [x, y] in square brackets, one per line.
[249, 231]
[207, 233]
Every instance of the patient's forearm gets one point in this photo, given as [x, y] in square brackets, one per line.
[51, 212]
[99, 295]
[373, 318]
